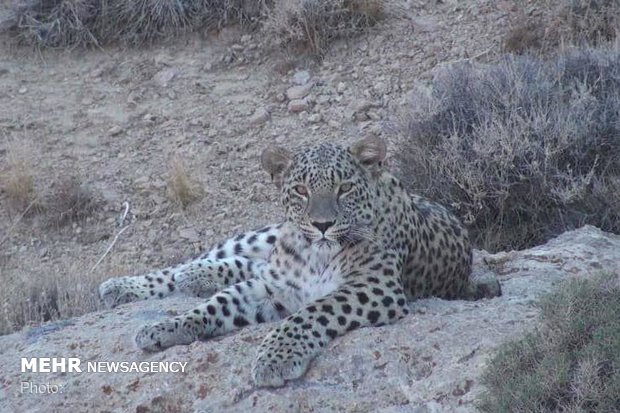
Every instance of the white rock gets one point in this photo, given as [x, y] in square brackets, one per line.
[165, 76]
[115, 130]
[315, 118]
[341, 87]
[298, 92]
[301, 78]
[260, 116]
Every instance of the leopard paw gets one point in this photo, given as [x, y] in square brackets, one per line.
[116, 291]
[160, 336]
[271, 371]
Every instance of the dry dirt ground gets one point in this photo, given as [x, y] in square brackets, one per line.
[115, 118]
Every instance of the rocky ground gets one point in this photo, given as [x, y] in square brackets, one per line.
[428, 362]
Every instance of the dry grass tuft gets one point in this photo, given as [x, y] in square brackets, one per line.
[32, 298]
[181, 189]
[88, 23]
[524, 36]
[59, 23]
[70, 201]
[575, 22]
[592, 21]
[298, 25]
[571, 363]
[311, 25]
[523, 149]
[18, 181]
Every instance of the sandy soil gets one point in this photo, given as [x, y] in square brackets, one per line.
[115, 118]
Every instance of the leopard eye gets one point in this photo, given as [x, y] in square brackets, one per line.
[346, 187]
[301, 190]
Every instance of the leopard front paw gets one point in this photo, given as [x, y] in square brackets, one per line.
[271, 371]
[160, 336]
[116, 291]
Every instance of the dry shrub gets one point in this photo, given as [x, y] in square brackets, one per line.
[571, 363]
[523, 149]
[59, 23]
[588, 20]
[525, 35]
[59, 293]
[70, 201]
[181, 189]
[80, 23]
[18, 181]
[574, 22]
[311, 25]
[306, 24]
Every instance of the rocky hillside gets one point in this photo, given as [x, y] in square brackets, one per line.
[428, 362]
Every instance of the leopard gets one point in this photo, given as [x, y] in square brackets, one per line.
[353, 250]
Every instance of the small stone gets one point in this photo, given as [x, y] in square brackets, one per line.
[260, 116]
[22, 90]
[165, 76]
[298, 92]
[142, 182]
[341, 87]
[364, 105]
[301, 78]
[315, 118]
[237, 47]
[298, 105]
[115, 130]
[189, 234]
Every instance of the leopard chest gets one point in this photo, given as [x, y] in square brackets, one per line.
[304, 276]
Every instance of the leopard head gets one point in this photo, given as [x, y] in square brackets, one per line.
[328, 191]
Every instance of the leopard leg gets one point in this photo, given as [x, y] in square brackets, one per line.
[237, 259]
[245, 303]
[288, 349]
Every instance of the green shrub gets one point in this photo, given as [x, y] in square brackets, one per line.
[523, 149]
[571, 363]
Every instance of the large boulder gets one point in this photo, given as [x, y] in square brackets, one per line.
[429, 361]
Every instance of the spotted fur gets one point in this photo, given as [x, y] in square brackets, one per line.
[353, 249]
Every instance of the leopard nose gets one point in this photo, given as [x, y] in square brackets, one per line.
[323, 226]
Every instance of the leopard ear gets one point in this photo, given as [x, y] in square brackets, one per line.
[370, 152]
[275, 160]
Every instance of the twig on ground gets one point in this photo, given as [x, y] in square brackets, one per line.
[118, 234]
